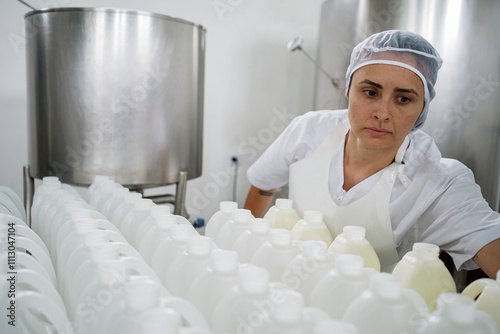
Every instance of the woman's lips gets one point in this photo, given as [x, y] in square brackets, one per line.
[377, 131]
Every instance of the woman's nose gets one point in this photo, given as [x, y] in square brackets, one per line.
[382, 111]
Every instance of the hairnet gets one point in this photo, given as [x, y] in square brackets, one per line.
[400, 48]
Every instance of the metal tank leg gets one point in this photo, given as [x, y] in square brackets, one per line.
[28, 192]
[180, 195]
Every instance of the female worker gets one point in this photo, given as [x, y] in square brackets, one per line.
[370, 166]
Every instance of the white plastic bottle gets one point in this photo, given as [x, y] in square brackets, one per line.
[214, 281]
[124, 208]
[134, 219]
[305, 271]
[386, 307]
[170, 249]
[156, 234]
[219, 219]
[312, 227]
[343, 284]
[488, 291]
[352, 241]
[245, 305]
[155, 212]
[108, 206]
[251, 239]
[233, 228]
[276, 253]
[334, 326]
[282, 214]
[181, 274]
[423, 271]
[456, 314]
[291, 316]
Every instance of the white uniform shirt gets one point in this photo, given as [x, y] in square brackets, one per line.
[442, 205]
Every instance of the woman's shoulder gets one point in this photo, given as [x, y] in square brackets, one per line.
[319, 120]
[425, 158]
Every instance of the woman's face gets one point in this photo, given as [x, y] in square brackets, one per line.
[385, 101]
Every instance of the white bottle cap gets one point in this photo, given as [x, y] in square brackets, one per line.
[224, 260]
[83, 225]
[284, 203]
[241, 216]
[329, 326]
[132, 197]
[95, 237]
[120, 191]
[160, 321]
[199, 246]
[51, 180]
[105, 252]
[253, 280]
[456, 307]
[143, 205]
[349, 264]
[386, 286]
[142, 293]
[228, 207]
[259, 226]
[313, 217]
[165, 221]
[180, 232]
[280, 237]
[426, 251]
[157, 210]
[354, 233]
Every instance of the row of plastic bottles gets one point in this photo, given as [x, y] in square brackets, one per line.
[327, 276]
[105, 284]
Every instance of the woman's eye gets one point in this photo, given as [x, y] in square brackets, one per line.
[369, 92]
[403, 99]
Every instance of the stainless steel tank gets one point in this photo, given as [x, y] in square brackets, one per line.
[464, 118]
[114, 92]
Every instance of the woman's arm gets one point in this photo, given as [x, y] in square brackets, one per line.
[258, 201]
[488, 258]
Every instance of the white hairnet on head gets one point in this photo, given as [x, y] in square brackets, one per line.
[400, 48]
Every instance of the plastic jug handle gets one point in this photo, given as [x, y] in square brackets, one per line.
[24, 231]
[116, 237]
[27, 300]
[141, 268]
[24, 260]
[187, 311]
[37, 252]
[37, 282]
[475, 288]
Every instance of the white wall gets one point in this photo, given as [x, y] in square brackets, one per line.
[253, 84]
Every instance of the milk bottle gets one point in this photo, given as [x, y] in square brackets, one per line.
[188, 265]
[219, 219]
[251, 239]
[282, 214]
[488, 291]
[456, 314]
[352, 241]
[312, 227]
[423, 271]
[124, 208]
[305, 271]
[150, 221]
[214, 281]
[233, 228]
[386, 307]
[245, 306]
[108, 206]
[135, 217]
[155, 235]
[276, 253]
[343, 284]
[170, 249]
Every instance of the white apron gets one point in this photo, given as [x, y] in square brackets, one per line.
[309, 191]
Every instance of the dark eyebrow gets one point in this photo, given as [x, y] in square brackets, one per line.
[406, 90]
[401, 90]
[371, 83]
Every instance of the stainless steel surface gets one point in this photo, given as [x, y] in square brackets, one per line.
[464, 117]
[114, 92]
[28, 192]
